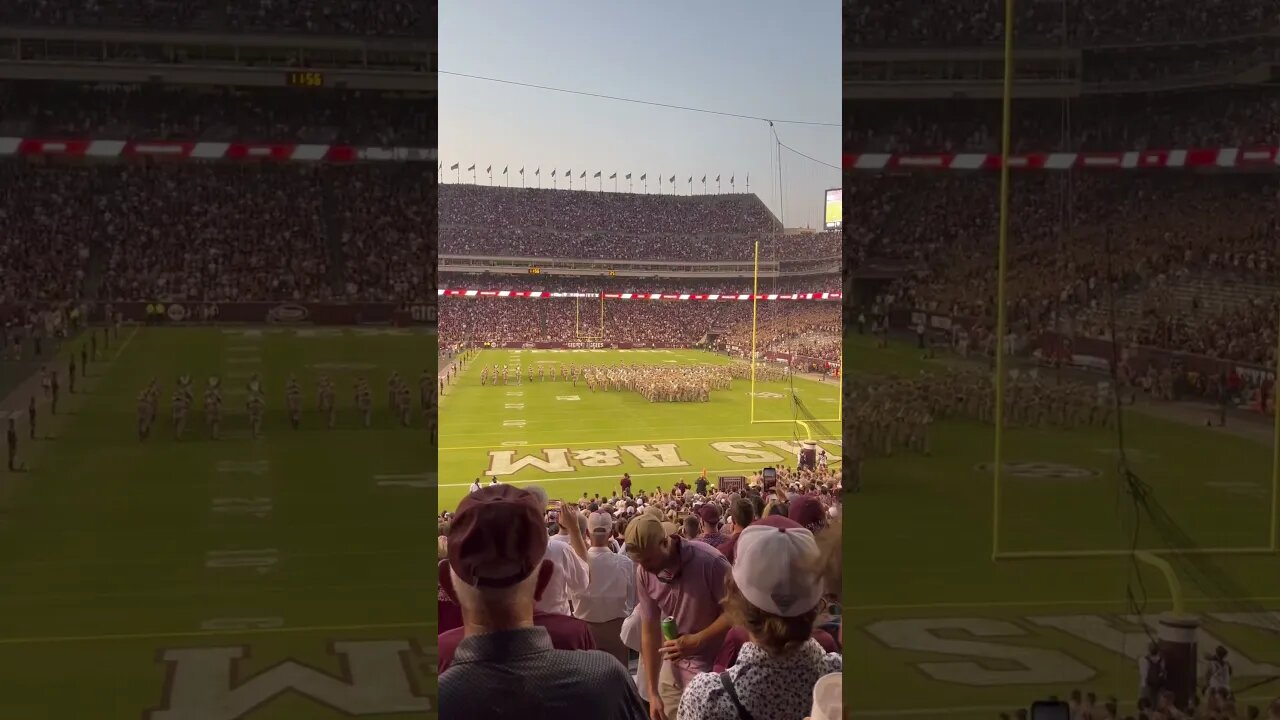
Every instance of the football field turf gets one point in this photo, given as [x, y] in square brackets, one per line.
[571, 440]
[288, 577]
[936, 628]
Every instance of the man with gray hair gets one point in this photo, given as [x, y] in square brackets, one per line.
[568, 555]
[611, 592]
[496, 569]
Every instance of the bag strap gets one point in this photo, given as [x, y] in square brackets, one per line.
[733, 696]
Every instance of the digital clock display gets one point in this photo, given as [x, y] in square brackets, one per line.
[535, 271]
[305, 79]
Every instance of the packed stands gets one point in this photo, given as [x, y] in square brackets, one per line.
[915, 23]
[322, 17]
[215, 114]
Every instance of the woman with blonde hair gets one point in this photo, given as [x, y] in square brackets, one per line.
[775, 592]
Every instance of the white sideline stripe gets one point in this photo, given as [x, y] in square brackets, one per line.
[1044, 603]
[617, 475]
[942, 712]
[126, 344]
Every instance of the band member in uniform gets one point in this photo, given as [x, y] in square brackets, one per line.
[213, 408]
[11, 439]
[293, 400]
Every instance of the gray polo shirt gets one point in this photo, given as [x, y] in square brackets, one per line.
[518, 675]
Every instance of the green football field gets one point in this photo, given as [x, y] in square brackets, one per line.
[936, 628]
[571, 441]
[284, 578]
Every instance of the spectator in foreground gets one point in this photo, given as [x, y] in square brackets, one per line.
[775, 592]
[683, 580]
[496, 571]
[611, 593]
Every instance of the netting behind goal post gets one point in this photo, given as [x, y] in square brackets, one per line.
[1165, 547]
[593, 329]
[801, 418]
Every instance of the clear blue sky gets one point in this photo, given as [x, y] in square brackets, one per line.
[755, 57]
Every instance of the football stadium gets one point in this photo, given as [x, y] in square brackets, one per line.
[218, 370]
[524, 404]
[1060, 351]
[639, 339]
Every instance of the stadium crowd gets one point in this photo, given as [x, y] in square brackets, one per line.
[916, 23]
[577, 283]
[568, 211]
[709, 588]
[213, 232]
[1107, 123]
[221, 114]
[327, 17]
[1069, 233]
[785, 326]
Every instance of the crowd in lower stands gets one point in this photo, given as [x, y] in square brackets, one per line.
[811, 328]
[647, 604]
[576, 283]
[1170, 233]
[215, 233]
[328, 17]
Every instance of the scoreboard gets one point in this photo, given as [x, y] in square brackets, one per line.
[835, 209]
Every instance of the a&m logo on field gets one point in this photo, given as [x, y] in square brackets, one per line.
[656, 455]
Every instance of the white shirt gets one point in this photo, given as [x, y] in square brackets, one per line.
[611, 589]
[475, 486]
[1219, 674]
[569, 577]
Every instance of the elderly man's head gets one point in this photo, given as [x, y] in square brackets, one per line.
[495, 568]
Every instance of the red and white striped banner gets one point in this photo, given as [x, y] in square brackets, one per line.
[280, 152]
[453, 292]
[1255, 157]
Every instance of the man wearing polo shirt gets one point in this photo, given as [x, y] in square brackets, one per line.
[506, 666]
[686, 581]
[611, 593]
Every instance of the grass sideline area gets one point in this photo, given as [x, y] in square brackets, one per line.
[488, 429]
[284, 578]
[935, 628]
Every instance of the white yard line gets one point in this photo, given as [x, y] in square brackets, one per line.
[691, 472]
[120, 350]
[1040, 603]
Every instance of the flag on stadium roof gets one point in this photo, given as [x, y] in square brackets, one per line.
[473, 167]
[644, 176]
[489, 169]
[628, 176]
[597, 174]
[615, 176]
[673, 178]
[521, 171]
[504, 169]
[453, 166]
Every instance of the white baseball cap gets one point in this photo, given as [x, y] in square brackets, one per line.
[775, 568]
[599, 523]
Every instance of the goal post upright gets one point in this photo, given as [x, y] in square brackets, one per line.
[1002, 237]
[755, 300]
[1275, 445]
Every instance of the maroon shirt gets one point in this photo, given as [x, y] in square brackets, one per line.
[737, 637]
[567, 633]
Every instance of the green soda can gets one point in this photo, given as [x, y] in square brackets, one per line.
[669, 629]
